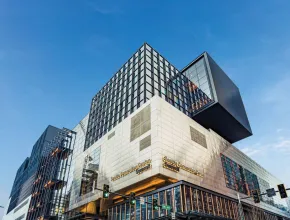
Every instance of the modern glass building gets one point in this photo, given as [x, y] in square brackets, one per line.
[163, 134]
[166, 134]
[40, 182]
[26, 174]
[201, 90]
[50, 191]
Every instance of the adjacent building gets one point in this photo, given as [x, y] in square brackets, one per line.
[39, 190]
[26, 174]
[160, 132]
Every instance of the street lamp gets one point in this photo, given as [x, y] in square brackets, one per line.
[1, 206]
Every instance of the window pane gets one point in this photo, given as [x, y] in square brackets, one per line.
[177, 199]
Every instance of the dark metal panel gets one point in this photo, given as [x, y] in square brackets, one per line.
[219, 120]
[228, 94]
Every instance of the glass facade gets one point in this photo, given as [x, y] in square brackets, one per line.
[182, 198]
[144, 75]
[49, 189]
[242, 180]
[197, 73]
[26, 174]
[239, 178]
[85, 175]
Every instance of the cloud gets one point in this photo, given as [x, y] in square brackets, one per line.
[282, 130]
[283, 145]
[250, 151]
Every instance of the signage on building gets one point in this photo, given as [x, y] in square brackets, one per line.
[139, 168]
[177, 166]
[271, 192]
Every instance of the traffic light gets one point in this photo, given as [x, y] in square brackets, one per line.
[155, 204]
[132, 199]
[282, 191]
[255, 194]
[106, 191]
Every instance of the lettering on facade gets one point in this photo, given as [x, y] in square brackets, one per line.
[139, 168]
[143, 169]
[177, 166]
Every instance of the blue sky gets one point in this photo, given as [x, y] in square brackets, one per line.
[55, 55]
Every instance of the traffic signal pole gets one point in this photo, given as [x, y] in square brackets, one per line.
[262, 194]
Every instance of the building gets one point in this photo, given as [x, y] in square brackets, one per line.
[167, 134]
[38, 188]
[26, 174]
[50, 191]
[160, 132]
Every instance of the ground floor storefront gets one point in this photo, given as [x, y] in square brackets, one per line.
[187, 201]
[182, 200]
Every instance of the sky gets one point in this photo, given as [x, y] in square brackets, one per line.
[55, 55]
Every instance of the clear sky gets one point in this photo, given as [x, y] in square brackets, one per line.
[55, 55]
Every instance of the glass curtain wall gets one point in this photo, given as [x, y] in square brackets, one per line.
[181, 198]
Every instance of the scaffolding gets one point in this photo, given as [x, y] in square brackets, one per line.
[50, 193]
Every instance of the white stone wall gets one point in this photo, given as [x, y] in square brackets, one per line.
[170, 136]
[14, 214]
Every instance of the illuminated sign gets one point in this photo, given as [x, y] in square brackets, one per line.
[139, 169]
[177, 166]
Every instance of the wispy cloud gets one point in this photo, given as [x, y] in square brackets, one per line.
[250, 151]
[283, 130]
[280, 144]
[283, 146]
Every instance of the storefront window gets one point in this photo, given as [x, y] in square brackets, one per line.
[210, 203]
[205, 202]
[123, 212]
[114, 212]
[138, 211]
[194, 199]
[143, 211]
[187, 198]
[177, 199]
[199, 201]
[127, 212]
[118, 212]
[169, 199]
[149, 207]
[162, 201]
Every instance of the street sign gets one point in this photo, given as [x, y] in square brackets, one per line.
[173, 215]
[271, 192]
[142, 200]
[166, 207]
